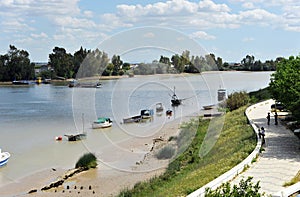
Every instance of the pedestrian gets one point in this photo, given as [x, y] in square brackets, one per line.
[262, 133]
[268, 118]
[276, 118]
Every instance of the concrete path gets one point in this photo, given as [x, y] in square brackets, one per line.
[280, 161]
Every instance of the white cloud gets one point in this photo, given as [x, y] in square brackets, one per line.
[39, 36]
[39, 7]
[257, 16]
[202, 35]
[248, 39]
[88, 13]
[73, 22]
[208, 5]
[14, 25]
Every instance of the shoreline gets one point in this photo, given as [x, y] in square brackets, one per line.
[105, 180]
[96, 78]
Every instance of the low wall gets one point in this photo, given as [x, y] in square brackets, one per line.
[237, 169]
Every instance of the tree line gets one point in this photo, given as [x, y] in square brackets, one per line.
[16, 65]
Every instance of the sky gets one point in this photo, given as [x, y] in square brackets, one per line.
[230, 29]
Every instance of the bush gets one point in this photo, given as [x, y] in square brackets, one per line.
[87, 161]
[245, 188]
[166, 152]
[237, 100]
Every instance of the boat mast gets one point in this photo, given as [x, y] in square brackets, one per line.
[83, 122]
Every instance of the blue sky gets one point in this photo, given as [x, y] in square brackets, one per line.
[230, 29]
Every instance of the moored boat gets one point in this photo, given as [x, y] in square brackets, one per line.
[175, 100]
[102, 122]
[22, 82]
[159, 107]
[76, 137]
[208, 107]
[145, 114]
[4, 156]
[132, 119]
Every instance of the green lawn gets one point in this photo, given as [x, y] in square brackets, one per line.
[188, 171]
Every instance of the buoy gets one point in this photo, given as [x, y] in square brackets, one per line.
[58, 138]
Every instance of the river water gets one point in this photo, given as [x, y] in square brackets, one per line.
[31, 117]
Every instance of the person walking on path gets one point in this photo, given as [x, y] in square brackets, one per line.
[262, 135]
[268, 118]
[276, 118]
[278, 162]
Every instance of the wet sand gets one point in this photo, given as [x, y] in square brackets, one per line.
[105, 180]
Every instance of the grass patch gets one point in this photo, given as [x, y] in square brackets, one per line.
[87, 161]
[188, 171]
[293, 181]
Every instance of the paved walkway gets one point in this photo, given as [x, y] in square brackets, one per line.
[280, 161]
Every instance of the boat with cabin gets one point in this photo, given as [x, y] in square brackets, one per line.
[159, 107]
[4, 157]
[145, 114]
[102, 122]
[175, 100]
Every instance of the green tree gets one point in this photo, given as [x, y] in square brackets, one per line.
[178, 63]
[219, 63]
[210, 62]
[117, 62]
[16, 65]
[62, 62]
[126, 66]
[78, 58]
[285, 84]
[248, 62]
[94, 64]
[164, 60]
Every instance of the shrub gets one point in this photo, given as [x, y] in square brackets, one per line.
[165, 153]
[87, 161]
[245, 188]
[237, 100]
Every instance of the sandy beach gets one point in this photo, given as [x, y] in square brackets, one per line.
[105, 180]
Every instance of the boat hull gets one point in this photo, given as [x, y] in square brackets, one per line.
[208, 107]
[76, 137]
[101, 125]
[176, 102]
[4, 157]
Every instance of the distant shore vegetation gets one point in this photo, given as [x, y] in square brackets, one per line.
[16, 64]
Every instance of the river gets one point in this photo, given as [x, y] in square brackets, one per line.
[32, 116]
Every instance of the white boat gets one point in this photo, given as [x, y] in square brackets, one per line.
[4, 156]
[102, 123]
[159, 107]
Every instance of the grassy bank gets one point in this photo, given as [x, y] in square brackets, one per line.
[189, 172]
